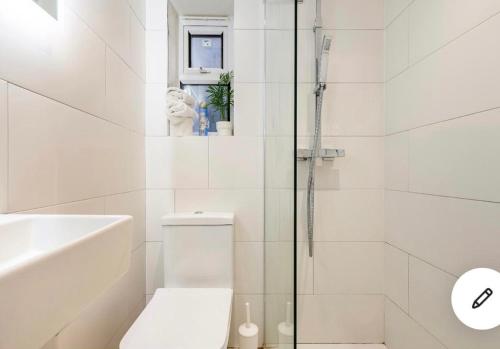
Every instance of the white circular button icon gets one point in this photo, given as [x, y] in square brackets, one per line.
[476, 299]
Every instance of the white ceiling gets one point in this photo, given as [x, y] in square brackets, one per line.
[203, 7]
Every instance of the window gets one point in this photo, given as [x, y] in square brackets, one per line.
[205, 46]
[206, 51]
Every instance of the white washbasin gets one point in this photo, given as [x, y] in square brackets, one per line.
[52, 267]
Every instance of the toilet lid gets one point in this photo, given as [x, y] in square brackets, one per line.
[182, 318]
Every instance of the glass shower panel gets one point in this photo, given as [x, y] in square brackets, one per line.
[279, 139]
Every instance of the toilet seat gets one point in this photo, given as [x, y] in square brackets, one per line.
[182, 318]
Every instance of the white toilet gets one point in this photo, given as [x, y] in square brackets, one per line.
[193, 311]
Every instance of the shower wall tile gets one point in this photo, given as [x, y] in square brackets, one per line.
[347, 14]
[344, 215]
[4, 146]
[177, 162]
[430, 291]
[305, 270]
[434, 23]
[156, 119]
[349, 268]
[109, 19]
[279, 66]
[350, 109]
[363, 165]
[159, 202]
[340, 319]
[249, 14]
[356, 56]
[397, 161]
[249, 109]
[249, 268]
[124, 94]
[424, 225]
[236, 162]
[249, 58]
[278, 274]
[397, 46]
[438, 152]
[247, 205]
[139, 8]
[396, 276]
[63, 59]
[131, 204]
[432, 90]
[94, 206]
[402, 332]
[393, 8]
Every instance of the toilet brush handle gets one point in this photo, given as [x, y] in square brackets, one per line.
[247, 309]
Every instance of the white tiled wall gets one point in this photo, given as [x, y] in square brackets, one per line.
[72, 134]
[441, 198]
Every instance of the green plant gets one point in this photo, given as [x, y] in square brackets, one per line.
[221, 96]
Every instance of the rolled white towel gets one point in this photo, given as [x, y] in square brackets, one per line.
[180, 110]
[174, 93]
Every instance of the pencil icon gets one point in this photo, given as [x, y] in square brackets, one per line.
[483, 297]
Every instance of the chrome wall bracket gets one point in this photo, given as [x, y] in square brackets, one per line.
[324, 154]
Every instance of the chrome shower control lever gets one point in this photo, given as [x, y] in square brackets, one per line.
[324, 154]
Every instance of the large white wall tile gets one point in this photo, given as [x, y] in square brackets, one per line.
[249, 55]
[249, 268]
[156, 107]
[344, 215]
[236, 162]
[433, 91]
[340, 319]
[363, 165]
[96, 206]
[397, 161]
[455, 158]
[396, 276]
[353, 14]
[397, 46]
[4, 146]
[249, 14]
[157, 56]
[279, 68]
[132, 204]
[247, 206]
[352, 110]
[426, 225]
[402, 332]
[139, 8]
[61, 59]
[137, 46]
[433, 23]
[430, 291]
[77, 156]
[249, 109]
[279, 267]
[159, 202]
[156, 14]
[349, 268]
[109, 19]
[177, 162]
[124, 94]
[392, 8]
[356, 56]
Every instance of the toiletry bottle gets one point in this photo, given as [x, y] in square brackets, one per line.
[204, 126]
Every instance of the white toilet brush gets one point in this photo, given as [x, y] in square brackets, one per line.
[249, 332]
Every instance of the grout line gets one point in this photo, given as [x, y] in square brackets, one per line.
[443, 121]
[447, 43]
[443, 196]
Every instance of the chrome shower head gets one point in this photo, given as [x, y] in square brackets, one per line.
[323, 58]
